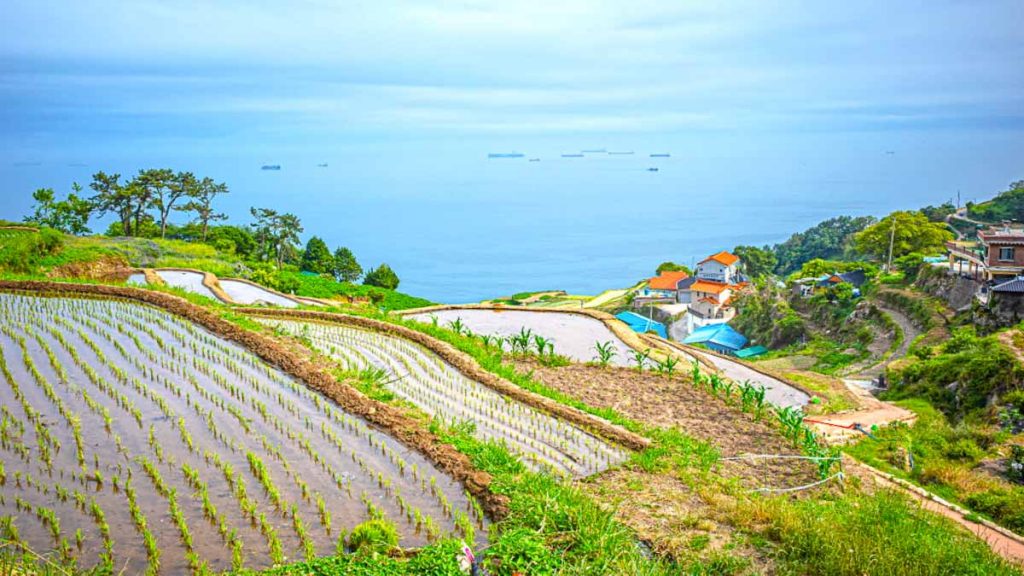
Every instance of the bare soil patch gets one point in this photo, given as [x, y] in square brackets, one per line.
[674, 401]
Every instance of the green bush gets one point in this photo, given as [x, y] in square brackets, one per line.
[373, 536]
[1005, 506]
[965, 449]
[962, 378]
[21, 252]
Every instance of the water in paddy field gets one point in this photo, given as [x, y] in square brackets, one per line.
[458, 226]
[174, 408]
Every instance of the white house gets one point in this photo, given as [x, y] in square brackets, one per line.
[721, 267]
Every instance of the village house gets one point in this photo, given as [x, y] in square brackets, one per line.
[998, 255]
[717, 280]
[722, 267]
[665, 288]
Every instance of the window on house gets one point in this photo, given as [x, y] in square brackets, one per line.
[1006, 254]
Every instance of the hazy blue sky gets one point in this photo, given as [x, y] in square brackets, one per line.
[777, 114]
[118, 75]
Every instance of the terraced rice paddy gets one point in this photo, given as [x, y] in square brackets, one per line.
[187, 280]
[421, 377]
[573, 335]
[132, 439]
[245, 293]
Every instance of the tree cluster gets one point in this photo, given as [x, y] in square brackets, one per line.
[1008, 205]
[342, 264]
[828, 240]
[149, 197]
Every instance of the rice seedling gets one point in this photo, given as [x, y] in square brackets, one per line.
[422, 378]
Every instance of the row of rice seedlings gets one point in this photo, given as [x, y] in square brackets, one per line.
[73, 420]
[426, 380]
[304, 444]
[322, 406]
[142, 525]
[150, 542]
[48, 444]
[275, 547]
[171, 495]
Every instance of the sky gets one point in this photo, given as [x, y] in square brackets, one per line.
[267, 76]
[402, 98]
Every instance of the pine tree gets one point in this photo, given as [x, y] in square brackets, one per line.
[382, 276]
[346, 268]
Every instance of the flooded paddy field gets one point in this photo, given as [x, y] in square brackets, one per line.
[246, 293]
[133, 439]
[426, 380]
[574, 335]
[188, 281]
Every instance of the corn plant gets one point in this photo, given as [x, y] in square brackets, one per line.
[606, 352]
[641, 358]
[667, 367]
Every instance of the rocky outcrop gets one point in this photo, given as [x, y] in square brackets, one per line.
[957, 291]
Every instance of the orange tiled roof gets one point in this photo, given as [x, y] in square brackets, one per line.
[667, 280]
[708, 300]
[709, 286]
[723, 257]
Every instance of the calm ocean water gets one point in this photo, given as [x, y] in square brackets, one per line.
[459, 227]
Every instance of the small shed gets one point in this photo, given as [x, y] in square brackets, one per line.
[642, 324]
[719, 337]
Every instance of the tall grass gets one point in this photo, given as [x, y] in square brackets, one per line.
[855, 534]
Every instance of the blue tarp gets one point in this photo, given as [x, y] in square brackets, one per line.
[719, 337]
[751, 352]
[641, 324]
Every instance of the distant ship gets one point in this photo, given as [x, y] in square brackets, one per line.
[505, 155]
[652, 169]
[594, 151]
[534, 159]
[324, 165]
[660, 155]
[572, 155]
[629, 153]
[270, 167]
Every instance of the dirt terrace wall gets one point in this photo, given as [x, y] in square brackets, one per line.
[152, 277]
[469, 367]
[400, 426]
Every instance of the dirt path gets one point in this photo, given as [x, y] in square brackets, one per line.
[1000, 540]
[910, 332]
[1007, 339]
[838, 428]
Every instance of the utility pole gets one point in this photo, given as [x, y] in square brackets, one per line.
[892, 240]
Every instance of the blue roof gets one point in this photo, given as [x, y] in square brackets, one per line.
[717, 336]
[641, 324]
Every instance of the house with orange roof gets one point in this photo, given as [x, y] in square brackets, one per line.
[710, 300]
[721, 267]
[717, 281]
[665, 288]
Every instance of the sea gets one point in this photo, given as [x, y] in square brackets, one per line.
[458, 226]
